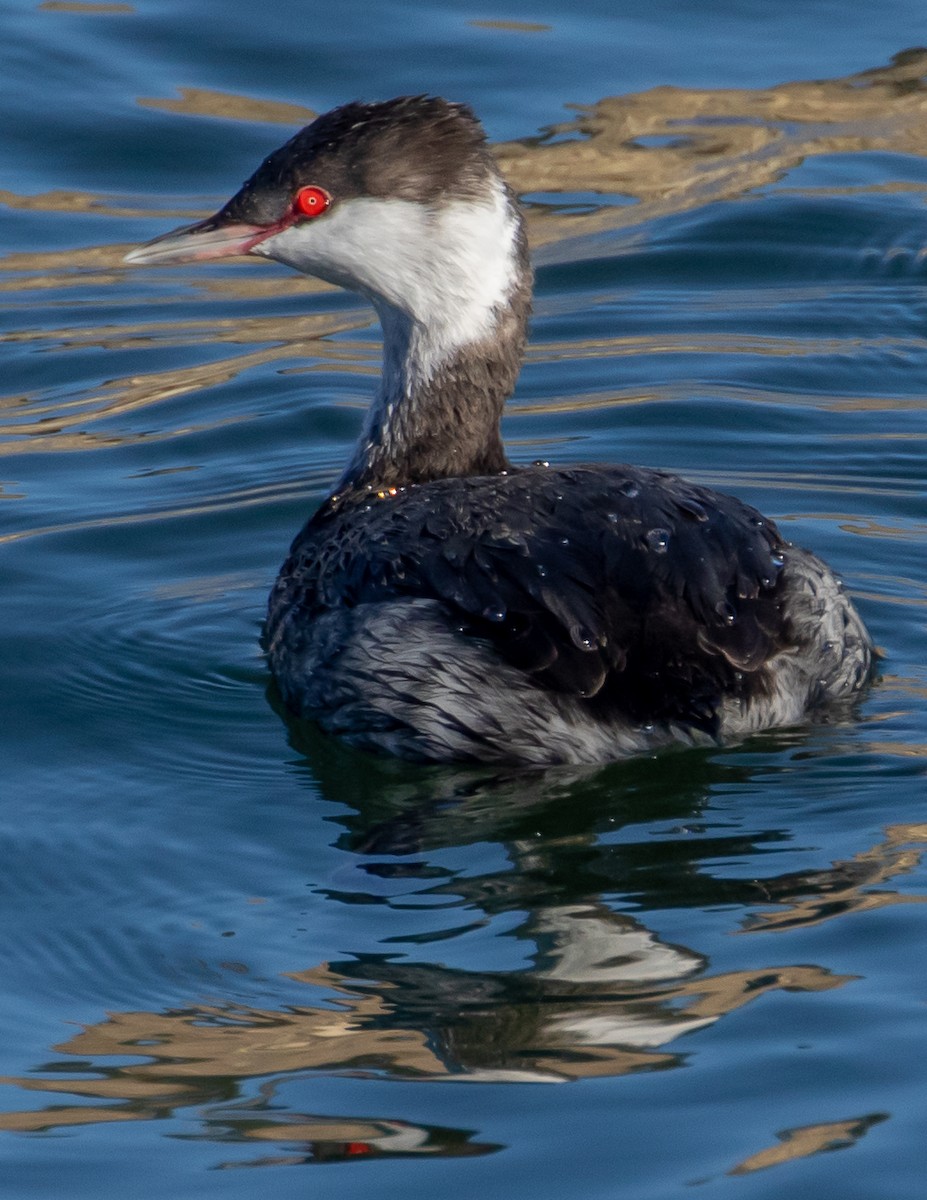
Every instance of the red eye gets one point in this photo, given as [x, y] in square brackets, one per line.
[311, 201]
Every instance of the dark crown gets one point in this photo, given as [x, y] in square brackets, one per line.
[418, 148]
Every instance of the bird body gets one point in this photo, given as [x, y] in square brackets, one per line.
[444, 604]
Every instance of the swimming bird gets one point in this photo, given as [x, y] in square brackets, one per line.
[446, 604]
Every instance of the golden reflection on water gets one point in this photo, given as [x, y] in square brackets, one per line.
[307, 330]
[712, 144]
[53, 423]
[737, 343]
[669, 149]
[82, 6]
[806, 1140]
[60, 200]
[846, 888]
[203, 102]
[910, 531]
[605, 997]
[512, 26]
[191, 1054]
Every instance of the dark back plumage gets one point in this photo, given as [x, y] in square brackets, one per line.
[631, 589]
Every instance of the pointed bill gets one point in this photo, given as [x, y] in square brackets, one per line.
[212, 238]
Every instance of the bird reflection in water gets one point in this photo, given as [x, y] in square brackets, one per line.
[603, 994]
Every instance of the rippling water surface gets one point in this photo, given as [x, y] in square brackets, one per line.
[228, 942]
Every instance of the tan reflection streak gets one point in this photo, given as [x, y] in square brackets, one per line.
[80, 257]
[734, 343]
[59, 200]
[718, 995]
[66, 443]
[807, 1140]
[127, 395]
[720, 144]
[59, 283]
[670, 392]
[76, 6]
[907, 685]
[512, 26]
[893, 856]
[911, 532]
[89, 266]
[296, 331]
[271, 285]
[193, 1053]
[202, 102]
[44, 270]
[305, 335]
[885, 598]
[133, 392]
[65, 1118]
[868, 189]
[901, 750]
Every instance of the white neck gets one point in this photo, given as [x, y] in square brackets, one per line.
[443, 280]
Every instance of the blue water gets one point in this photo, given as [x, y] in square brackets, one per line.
[227, 942]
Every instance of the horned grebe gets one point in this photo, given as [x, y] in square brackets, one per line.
[444, 604]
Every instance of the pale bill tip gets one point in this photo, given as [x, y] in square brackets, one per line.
[194, 243]
[138, 256]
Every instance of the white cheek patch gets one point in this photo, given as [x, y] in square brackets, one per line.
[446, 268]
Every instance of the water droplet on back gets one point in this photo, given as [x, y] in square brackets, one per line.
[726, 611]
[657, 539]
[583, 638]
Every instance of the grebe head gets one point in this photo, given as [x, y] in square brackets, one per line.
[400, 201]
